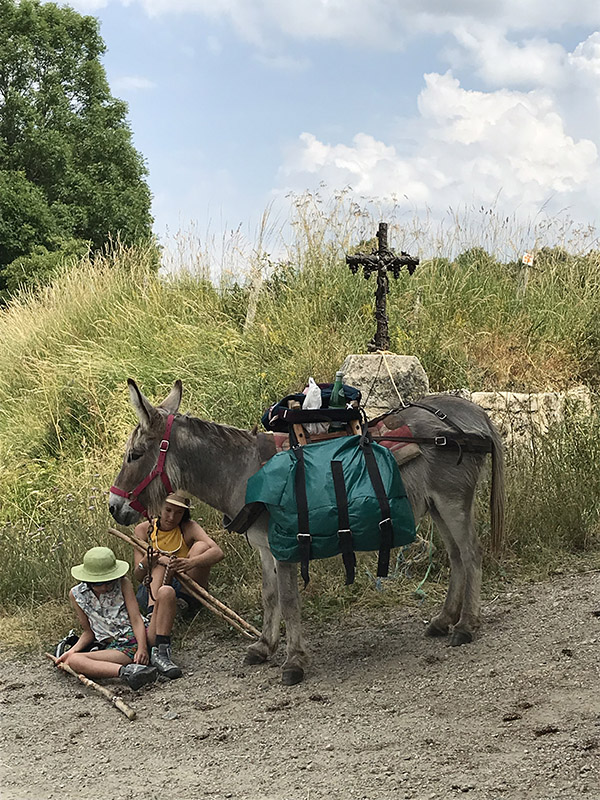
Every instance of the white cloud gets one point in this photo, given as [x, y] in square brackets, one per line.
[469, 144]
[528, 139]
[585, 59]
[132, 83]
[373, 22]
[499, 62]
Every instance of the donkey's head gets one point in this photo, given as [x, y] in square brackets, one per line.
[143, 481]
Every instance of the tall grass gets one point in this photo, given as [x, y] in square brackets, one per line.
[243, 341]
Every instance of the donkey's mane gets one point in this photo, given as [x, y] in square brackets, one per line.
[213, 430]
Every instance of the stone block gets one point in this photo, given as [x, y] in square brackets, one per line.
[520, 416]
[375, 375]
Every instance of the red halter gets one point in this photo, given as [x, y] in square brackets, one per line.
[159, 470]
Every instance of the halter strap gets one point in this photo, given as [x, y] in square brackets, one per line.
[158, 471]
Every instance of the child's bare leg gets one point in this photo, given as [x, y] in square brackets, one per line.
[199, 574]
[158, 574]
[99, 664]
[165, 608]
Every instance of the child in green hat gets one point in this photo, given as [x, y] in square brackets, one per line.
[105, 604]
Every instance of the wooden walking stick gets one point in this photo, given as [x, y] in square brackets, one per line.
[198, 592]
[116, 701]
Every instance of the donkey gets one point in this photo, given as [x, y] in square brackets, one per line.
[213, 462]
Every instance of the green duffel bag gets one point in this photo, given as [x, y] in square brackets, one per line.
[336, 496]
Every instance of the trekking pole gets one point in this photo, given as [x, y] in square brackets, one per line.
[116, 701]
[198, 592]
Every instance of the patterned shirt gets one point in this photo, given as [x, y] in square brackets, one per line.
[107, 614]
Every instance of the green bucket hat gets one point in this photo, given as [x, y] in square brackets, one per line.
[100, 564]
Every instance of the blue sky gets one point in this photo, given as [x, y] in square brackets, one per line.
[234, 103]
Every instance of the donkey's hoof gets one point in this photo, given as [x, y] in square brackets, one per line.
[435, 629]
[460, 637]
[252, 657]
[292, 675]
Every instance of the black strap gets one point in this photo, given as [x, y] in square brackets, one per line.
[304, 537]
[386, 530]
[244, 518]
[293, 415]
[440, 415]
[470, 443]
[344, 532]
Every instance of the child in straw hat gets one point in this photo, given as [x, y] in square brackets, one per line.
[180, 546]
[105, 604]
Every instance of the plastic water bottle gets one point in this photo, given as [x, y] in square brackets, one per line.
[337, 400]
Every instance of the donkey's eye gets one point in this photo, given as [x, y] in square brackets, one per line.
[134, 455]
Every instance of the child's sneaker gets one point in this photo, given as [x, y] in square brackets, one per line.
[137, 675]
[66, 644]
[161, 658]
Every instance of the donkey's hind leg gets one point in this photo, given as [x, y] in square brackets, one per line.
[450, 612]
[458, 524]
[259, 651]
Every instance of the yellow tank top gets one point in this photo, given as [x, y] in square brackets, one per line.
[169, 542]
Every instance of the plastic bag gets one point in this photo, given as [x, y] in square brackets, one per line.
[313, 400]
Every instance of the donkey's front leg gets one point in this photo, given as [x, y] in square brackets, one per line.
[289, 598]
[267, 644]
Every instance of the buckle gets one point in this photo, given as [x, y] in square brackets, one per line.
[385, 523]
[344, 530]
[304, 536]
[164, 445]
[440, 441]
[440, 414]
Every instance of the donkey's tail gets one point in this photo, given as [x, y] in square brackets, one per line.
[497, 493]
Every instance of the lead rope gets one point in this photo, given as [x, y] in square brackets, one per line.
[391, 378]
[147, 582]
[389, 372]
[167, 577]
[172, 555]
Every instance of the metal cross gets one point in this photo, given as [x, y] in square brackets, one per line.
[381, 261]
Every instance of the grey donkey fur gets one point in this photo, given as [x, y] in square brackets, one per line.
[213, 462]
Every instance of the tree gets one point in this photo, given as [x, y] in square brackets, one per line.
[68, 168]
[41, 266]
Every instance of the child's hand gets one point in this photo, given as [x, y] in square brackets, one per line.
[62, 658]
[141, 656]
[181, 564]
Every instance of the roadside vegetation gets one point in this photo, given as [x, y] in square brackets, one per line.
[239, 340]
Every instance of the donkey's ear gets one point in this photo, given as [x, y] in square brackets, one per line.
[143, 407]
[172, 402]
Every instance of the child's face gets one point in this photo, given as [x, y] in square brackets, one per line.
[170, 516]
[101, 588]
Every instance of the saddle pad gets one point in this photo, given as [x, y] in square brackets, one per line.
[402, 451]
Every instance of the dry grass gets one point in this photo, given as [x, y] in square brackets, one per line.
[67, 351]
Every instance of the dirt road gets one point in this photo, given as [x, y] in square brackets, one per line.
[384, 713]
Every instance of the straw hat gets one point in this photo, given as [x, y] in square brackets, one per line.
[179, 498]
[99, 565]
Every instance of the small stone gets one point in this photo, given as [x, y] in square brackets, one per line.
[171, 715]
